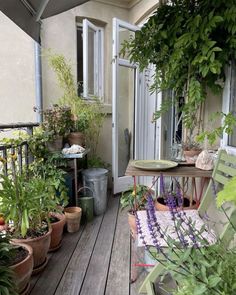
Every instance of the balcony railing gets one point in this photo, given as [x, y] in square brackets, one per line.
[15, 155]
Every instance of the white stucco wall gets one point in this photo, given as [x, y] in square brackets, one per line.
[17, 77]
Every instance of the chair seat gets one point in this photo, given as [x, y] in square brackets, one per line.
[168, 226]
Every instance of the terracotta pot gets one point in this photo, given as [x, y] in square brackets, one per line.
[191, 156]
[23, 270]
[73, 217]
[162, 207]
[76, 138]
[40, 246]
[57, 231]
[132, 224]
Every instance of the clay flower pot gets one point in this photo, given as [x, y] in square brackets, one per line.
[160, 205]
[73, 217]
[57, 231]
[132, 224]
[40, 246]
[76, 138]
[191, 155]
[23, 270]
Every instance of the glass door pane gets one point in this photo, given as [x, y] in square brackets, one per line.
[125, 117]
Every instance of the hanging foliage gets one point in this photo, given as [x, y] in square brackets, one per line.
[190, 43]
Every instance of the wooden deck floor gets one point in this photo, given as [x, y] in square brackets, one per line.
[93, 261]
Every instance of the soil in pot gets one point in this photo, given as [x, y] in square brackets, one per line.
[57, 221]
[22, 265]
[40, 246]
[160, 204]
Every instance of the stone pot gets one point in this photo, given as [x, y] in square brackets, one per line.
[55, 145]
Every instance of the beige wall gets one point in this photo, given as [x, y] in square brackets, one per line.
[17, 77]
[59, 34]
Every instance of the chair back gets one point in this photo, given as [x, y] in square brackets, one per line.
[218, 218]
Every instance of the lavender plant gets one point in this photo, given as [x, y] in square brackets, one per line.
[197, 265]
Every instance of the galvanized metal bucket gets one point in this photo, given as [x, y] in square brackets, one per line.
[96, 179]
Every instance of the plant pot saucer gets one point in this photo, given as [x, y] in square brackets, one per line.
[40, 267]
[55, 248]
[26, 290]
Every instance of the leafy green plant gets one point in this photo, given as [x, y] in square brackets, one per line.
[135, 198]
[7, 284]
[190, 43]
[26, 202]
[57, 120]
[89, 112]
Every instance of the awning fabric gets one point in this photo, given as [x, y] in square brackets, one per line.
[28, 13]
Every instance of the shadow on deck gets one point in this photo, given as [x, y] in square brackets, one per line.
[95, 260]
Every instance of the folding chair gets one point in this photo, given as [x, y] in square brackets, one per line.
[224, 169]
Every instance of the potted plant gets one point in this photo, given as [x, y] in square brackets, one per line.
[57, 124]
[26, 202]
[16, 265]
[191, 150]
[50, 169]
[172, 199]
[80, 124]
[134, 199]
[88, 115]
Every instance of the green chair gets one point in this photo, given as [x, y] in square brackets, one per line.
[225, 168]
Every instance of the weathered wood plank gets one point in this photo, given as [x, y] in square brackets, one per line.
[179, 171]
[73, 277]
[51, 276]
[95, 280]
[118, 277]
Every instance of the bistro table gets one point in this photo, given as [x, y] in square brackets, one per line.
[183, 171]
[75, 157]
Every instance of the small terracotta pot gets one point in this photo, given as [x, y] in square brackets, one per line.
[23, 270]
[161, 207]
[73, 217]
[40, 246]
[57, 231]
[191, 156]
[76, 138]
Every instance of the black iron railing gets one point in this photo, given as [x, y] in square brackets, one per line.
[14, 155]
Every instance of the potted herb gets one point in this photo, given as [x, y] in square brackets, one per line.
[50, 169]
[16, 265]
[191, 150]
[57, 124]
[80, 124]
[169, 199]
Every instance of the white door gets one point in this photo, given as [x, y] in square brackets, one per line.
[133, 134]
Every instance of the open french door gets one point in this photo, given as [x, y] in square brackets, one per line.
[133, 134]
